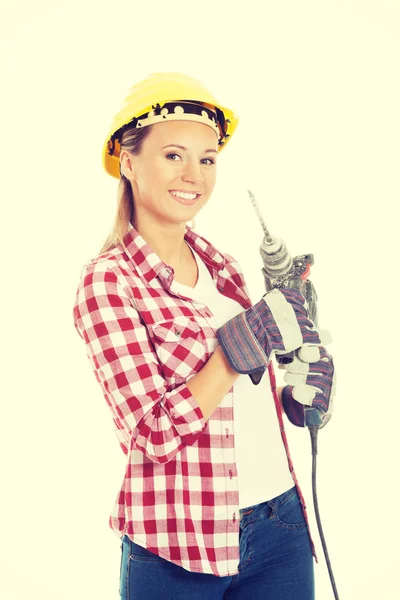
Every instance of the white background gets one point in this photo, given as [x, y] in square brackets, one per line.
[316, 86]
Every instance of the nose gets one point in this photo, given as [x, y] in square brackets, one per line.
[193, 172]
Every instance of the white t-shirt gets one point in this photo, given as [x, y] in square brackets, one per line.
[263, 470]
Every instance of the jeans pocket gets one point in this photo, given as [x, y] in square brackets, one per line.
[138, 552]
[289, 513]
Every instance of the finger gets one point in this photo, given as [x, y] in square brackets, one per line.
[309, 353]
[334, 382]
[305, 393]
[325, 337]
[295, 378]
[297, 366]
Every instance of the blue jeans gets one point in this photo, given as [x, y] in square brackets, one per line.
[275, 561]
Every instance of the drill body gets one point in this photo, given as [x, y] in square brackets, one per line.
[281, 271]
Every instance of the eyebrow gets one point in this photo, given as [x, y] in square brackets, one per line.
[184, 148]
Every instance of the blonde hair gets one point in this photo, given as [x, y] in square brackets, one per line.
[131, 140]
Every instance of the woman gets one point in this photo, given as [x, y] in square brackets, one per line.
[169, 328]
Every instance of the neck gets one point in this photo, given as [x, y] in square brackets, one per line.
[166, 241]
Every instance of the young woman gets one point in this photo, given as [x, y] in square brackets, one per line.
[209, 506]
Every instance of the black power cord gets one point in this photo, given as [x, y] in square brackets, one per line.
[313, 434]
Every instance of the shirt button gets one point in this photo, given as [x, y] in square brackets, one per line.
[230, 474]
[234, 517]
[227, 432]
[221, 288]
[177, 333]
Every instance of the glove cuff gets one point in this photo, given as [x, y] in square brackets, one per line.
[240, 345]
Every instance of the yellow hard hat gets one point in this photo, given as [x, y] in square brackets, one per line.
[160, 92]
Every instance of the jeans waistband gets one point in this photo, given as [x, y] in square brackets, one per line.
[277, 500]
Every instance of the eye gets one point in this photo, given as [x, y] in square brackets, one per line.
[174, 154]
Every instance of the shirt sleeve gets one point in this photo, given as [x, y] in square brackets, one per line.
[155, 421]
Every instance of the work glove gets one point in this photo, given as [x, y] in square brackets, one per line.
[312, 384]
[276, 324]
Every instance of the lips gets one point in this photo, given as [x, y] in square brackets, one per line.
[184, 200]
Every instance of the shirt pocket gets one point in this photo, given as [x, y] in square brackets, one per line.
[180, 346]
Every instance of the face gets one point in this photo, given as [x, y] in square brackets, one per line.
[158, 170]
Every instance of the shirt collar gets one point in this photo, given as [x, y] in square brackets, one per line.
[150, 265]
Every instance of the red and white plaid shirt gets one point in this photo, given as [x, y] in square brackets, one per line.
[144, 342]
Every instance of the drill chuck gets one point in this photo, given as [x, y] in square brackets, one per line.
[275, 256]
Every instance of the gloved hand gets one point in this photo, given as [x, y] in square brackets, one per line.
[277, 324]
[312, 384]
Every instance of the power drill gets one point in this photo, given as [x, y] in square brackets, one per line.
[280, 270]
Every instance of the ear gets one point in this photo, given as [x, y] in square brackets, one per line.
[126, 165]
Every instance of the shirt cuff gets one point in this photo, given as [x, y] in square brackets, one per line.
[185, 413]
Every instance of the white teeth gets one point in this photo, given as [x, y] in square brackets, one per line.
[183, 195]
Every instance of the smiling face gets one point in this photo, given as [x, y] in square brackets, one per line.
[158, 169]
